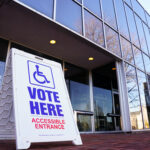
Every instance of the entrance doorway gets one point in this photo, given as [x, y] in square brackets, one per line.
[106, 99]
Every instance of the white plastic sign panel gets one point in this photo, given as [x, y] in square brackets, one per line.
[43, 111]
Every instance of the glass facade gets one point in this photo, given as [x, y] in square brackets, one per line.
[123, 28]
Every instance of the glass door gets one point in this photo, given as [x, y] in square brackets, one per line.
[116, 110]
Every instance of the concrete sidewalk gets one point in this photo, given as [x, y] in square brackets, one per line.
[121, 141]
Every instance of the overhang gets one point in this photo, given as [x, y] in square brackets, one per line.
[23, 26]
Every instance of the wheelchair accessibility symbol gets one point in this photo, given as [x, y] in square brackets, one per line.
[40, 75]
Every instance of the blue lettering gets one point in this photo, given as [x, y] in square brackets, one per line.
[49, 95]
[59, 110]
[34, 108]
[51, 110]
[32, 93]
[56, 97]
[43, 109]
[41, 94]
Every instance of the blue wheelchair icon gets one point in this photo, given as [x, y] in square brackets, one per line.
[39, 76]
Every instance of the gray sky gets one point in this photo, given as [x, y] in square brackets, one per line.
[145, 4]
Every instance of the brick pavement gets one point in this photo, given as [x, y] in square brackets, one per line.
[120, 141]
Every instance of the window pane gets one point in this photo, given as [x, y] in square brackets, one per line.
[122, 23]
[138, 9]
[3, 53]
[80, 1]
[141, 34]
[69, 13]
[93, 29]
[127, 50]
[77, 81]
[132, 26]
[143, 88]
[147, 63]
[128, 2]
[112, 41]
[45, 7]
[148, 98]
[148, 19]
[94, 6]
[109, 14]
[138, 58]
[147, 34]
[84, 123]
[133, 98]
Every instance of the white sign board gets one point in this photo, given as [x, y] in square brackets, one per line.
[42, 108]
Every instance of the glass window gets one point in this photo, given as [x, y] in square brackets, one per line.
[122, 22]
[132, 26]
[45, 7]
[84, 123]
[112, 41]
[77, 81]
[148, 98]
[109, 13]
[93, 29]
[138, 9]
[143, 89]
[148, 18]
[147, 34]
[103, 99]
[128, 2]
[3, 53]
[127, 50]
[141, 34]
[80, 1]
[147, 63]
[138, 58]
[69, 14]
[94, 6]
[133, 98]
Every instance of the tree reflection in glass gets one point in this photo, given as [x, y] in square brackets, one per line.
[127, 50]
[84, 123]
[144, 95]
[112, 41]
[138, 58]
[133, 98]
[93, 29]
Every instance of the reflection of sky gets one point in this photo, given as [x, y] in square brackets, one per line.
[121, 18]
[102, 100]
[79, 94]
[2, 68]
[45, 7]
[69, 14]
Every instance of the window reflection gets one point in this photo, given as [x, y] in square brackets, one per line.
[144, 95]
[109, 14]
[112, 41]
[65, 16]
[122, 23]
[141, 34]
[104, 105]
[78, 86]
[127, 50]
[3, 53]
[138, 9]
[147, 34]
[132, 26]
[45, 7]
[138, 58]
[148, 19]
[84, 123]
[94, 6]
[93, 29]
[128, 2]
[147, 63]
[133, 98]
